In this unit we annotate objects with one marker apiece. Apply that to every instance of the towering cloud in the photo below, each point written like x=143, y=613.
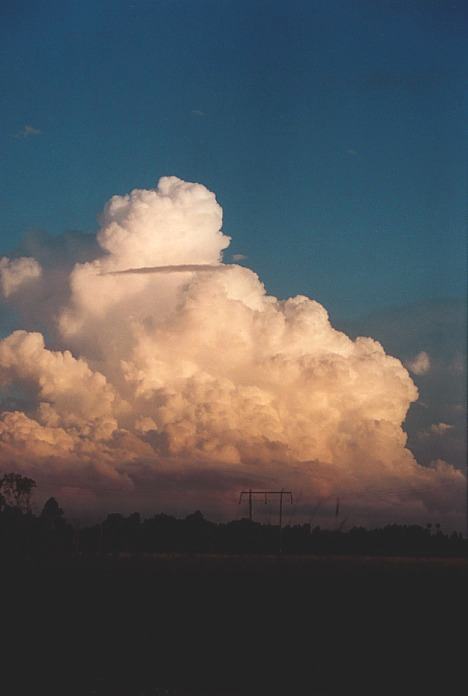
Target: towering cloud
x=180, y=385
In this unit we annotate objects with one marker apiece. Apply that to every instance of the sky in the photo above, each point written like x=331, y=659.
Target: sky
x=348, y=118
x=332, y=134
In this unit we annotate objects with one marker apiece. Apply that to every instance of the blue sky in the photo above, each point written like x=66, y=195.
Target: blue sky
x=333, y=132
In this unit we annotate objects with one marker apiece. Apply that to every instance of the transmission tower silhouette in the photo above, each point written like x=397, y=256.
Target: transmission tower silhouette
x=250, y=494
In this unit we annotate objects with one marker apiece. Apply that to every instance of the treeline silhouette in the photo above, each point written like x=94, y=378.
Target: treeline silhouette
x=24, y=534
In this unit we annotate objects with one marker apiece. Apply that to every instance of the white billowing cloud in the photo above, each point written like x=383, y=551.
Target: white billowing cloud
x=67, y=391
x=174, y=224
x=15, y=272
x=439, y=326
x=166, y=381
x=420, y=364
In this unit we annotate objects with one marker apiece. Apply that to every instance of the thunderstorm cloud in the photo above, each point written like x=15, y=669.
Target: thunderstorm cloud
x=147, y=374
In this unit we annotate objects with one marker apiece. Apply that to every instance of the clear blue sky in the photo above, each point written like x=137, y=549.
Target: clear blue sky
x=333, y=132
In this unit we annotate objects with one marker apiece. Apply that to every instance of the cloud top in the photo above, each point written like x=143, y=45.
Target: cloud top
x=175, y=223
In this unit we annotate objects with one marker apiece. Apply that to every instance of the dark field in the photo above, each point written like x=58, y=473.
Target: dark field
x=182, y=625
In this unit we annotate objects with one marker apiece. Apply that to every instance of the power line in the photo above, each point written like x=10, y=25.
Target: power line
x=250, y=494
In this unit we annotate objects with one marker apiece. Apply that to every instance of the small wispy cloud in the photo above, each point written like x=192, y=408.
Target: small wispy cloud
x=351, y=152
x=197, y=112
x=420, y=364
x=441, y=428
x=239, y=257
x=437, y=429
x=27, y=131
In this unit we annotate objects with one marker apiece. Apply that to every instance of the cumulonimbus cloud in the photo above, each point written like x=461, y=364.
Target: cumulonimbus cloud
x=168, y=367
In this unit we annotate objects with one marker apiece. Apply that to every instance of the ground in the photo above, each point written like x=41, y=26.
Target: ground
x=191, y=625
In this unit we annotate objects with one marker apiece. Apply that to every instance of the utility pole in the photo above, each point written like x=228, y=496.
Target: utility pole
x=250, y=494
x=101, y=539
x=76, y=537
x=282, y=494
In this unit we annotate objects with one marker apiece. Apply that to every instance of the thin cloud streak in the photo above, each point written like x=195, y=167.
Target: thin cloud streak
x=174, y=268
x=27, y=131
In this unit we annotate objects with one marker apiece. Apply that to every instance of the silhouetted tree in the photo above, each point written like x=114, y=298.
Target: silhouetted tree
x=55, y=533
x=16, y=491
x=51, y=511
